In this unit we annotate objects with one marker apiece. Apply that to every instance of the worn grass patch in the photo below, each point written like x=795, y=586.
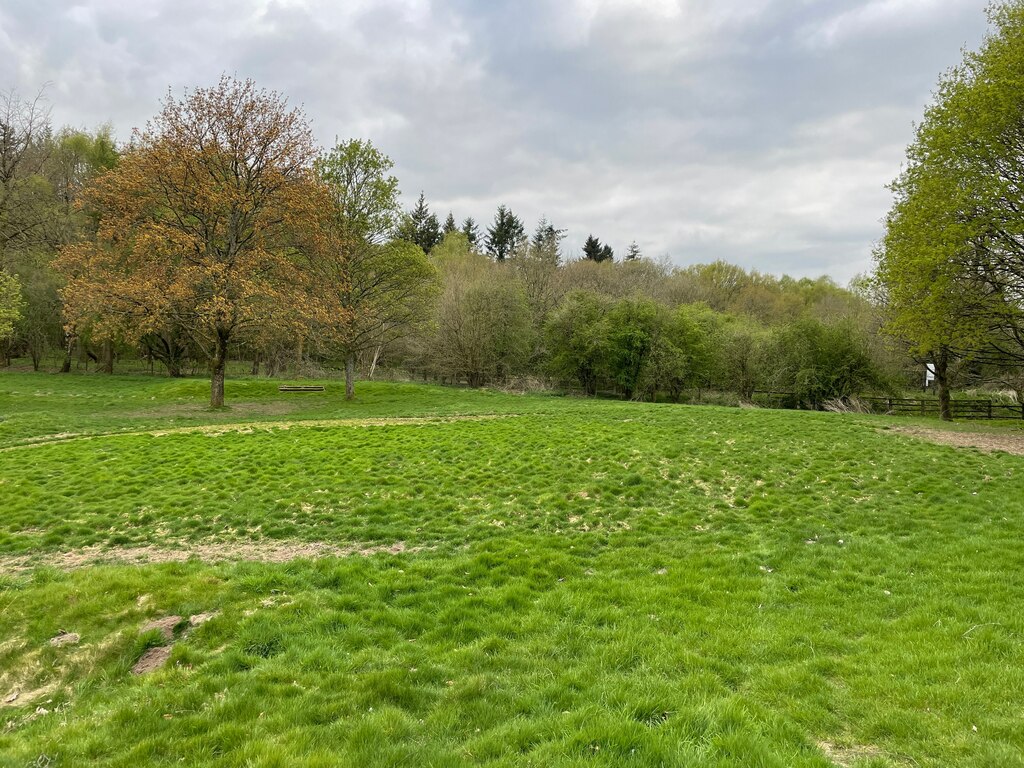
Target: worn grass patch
x=587, y=583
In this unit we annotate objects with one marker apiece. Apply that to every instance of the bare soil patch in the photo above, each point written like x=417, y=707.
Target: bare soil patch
x=65, y=638
x=164, y=626
x=225, y=551
x=152, y=660
x=1010, y=442
x=848, y=756
x=250, y=427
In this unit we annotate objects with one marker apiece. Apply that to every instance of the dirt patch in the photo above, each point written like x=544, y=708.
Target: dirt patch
x=196, y=409
x=164, y=626
x=1010, y=442
x=250, y=427
x=848, y=756
x=65, y=638
x=263, y=552
x=20, y=697
x=201, y=618
x=152, y=660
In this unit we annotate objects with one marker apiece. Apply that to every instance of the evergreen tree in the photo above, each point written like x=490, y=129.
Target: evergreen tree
x=470, y=230
x=545, y=243
x=634, y=252
x=420, y=226
x=595, y=251
x=449, y=226
x=505, y=236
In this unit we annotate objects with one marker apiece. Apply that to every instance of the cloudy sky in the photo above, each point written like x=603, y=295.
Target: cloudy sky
x=761, y=132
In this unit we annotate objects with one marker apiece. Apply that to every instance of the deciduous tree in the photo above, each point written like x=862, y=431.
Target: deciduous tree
x=951, y=265
x=211, y=223
x=386, y=287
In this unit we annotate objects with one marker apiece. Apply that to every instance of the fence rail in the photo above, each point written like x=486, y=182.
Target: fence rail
x=910, y=406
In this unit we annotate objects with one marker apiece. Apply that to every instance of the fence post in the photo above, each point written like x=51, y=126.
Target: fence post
x=990, y=410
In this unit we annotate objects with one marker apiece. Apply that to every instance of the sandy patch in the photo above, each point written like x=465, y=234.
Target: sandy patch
x=848, y=756
x=250, y=427
x=1010, y=442
x=263, y=552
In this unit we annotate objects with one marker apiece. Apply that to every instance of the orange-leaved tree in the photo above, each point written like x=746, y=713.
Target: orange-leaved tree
x=213, y=224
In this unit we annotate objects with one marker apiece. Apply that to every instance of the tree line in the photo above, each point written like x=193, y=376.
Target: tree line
x=221, y=230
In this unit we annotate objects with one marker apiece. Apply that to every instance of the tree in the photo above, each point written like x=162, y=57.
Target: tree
x=363, y=192
x=449, y=226
x=576, y=337
x=470, y=230
x=546, y=242
x=680, y=357
x=481, y=328
x=11, y=304
x=951, y=264
x=633, y=328
x=420, y=226
x=595, y=251
x=211, y=223
x=505, y=236
x=537, y=266
x=385, y=288
x=819, y=362
x=634, y=252
x=25, y=195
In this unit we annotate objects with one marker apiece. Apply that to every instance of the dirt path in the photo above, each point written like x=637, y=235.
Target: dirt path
x=263, y=552
x=1010, y=442
x=250, y=427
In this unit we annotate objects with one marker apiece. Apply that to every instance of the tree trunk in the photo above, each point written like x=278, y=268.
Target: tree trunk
x=220, y=359
x=107, y=365
x=376, y=357
x=68, y=349
x=350, y=376
x=941, y=363
x=256, y=365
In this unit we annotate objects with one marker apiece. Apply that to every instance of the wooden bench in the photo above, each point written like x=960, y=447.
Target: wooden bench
x=310, y=388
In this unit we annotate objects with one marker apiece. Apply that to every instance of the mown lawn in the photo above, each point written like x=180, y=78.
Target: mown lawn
x=548, y=581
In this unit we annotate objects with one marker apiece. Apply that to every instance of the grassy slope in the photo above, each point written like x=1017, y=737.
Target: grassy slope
x=592, y=583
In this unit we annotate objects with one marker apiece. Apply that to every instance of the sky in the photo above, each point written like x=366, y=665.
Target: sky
x=761, y=132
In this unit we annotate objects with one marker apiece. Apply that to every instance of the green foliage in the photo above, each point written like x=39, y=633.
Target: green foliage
x=471, y=231
x=365, y=194
x=387, y=287
x=576, y=339
x=483, y=327
x=595, y=251
x=11, y=303
x=505, y=236
x=818, y=362
x=950, y=265
x=420, y=226
x=633, y=330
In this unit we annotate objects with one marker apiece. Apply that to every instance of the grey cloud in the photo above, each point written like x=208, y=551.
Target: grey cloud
x=759, y=131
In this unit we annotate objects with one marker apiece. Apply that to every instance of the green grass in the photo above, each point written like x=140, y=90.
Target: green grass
x=585, y=583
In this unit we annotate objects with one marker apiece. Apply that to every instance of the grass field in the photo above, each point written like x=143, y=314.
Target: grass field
x=436, y=577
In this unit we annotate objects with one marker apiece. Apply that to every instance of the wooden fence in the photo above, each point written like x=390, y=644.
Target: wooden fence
x=907, y=406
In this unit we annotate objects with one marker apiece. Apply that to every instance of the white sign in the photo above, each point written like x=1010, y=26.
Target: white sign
x=929, y=374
